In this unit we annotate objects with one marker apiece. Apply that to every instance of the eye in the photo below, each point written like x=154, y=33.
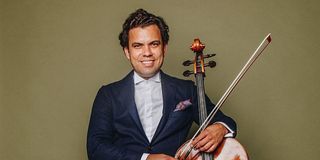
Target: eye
x=136, y=46
x=155, y=44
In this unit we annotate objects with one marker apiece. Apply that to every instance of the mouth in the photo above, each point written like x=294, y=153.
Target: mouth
x=147, y=63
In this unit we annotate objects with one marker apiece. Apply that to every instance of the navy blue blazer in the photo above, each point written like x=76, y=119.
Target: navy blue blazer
x=115, y=131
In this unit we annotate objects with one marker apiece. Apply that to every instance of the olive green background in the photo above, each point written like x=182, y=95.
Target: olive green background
x=55, y=54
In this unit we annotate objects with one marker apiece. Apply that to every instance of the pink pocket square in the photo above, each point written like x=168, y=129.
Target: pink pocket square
x=183, y=105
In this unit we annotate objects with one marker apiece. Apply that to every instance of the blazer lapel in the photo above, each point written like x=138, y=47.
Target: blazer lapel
x=129, y=102
x=168, y=95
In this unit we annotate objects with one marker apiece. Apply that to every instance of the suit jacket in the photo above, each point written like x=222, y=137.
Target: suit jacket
x=115, y=131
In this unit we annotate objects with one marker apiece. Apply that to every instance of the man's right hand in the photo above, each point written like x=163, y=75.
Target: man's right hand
x=159, y=157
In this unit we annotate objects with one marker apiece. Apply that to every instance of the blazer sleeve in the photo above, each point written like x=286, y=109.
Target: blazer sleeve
x=101, y=132
x=218, y=117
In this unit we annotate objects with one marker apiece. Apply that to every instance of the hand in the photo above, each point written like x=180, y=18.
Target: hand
x=210, y=138
x=159, y=157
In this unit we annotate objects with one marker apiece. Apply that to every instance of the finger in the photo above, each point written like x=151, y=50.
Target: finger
x=211, y=149
x=203, y=142
x=202, y=135
x=198, y=138
x=206, y=146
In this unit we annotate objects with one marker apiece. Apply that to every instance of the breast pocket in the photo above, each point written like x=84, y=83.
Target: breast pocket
x=181, y=113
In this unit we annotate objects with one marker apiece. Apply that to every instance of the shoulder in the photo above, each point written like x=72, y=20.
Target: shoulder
x=124, y=83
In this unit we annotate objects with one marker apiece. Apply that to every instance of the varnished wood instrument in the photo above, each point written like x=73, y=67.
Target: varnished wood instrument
x=230, y=148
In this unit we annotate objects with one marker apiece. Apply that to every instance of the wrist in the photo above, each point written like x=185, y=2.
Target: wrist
x=221, y=127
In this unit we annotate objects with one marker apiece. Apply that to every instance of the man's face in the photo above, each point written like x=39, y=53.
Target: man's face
x=145, y=50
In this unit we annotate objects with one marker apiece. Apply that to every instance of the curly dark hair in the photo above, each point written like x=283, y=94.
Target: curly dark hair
x=141, y=18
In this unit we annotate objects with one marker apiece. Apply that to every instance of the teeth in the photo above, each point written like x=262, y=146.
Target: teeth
x=147, y=62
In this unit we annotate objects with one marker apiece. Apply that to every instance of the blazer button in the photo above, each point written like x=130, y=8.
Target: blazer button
x=149, y=148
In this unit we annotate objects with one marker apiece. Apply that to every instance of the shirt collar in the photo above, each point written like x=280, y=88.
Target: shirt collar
x=138, y=79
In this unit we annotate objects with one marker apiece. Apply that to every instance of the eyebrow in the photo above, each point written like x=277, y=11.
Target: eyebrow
x=157, y=41
x=138, y=43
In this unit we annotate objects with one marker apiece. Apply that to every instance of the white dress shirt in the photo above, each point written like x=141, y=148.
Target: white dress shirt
x=149, y=102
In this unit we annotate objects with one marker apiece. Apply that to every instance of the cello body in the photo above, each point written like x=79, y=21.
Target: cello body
x=229, y=149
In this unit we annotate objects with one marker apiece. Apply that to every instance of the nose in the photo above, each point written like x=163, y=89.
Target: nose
x=147, y=51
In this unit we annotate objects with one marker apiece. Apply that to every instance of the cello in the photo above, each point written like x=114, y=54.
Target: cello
x=229, y=148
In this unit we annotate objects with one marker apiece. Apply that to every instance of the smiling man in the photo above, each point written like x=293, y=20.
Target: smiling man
x=145, y=50
x=147, y=114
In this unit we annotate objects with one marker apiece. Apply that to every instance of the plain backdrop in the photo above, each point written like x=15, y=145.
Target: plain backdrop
x=55, y=55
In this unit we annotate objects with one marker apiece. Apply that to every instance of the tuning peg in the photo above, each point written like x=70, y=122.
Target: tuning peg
x=208, y=55
x=187, y=63
x=187, y=73
x=210, y=64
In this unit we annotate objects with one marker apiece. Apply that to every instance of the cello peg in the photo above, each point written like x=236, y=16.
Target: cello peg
x=187, y=63
x=187, y=73
x=208, y=55
x=210, y=64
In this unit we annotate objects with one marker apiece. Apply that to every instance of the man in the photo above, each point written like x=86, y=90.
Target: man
x=147, y=114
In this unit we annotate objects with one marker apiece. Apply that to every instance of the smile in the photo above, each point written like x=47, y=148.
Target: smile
x=147, y=62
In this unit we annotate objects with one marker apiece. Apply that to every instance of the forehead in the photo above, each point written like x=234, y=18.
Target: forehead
x=144, y=34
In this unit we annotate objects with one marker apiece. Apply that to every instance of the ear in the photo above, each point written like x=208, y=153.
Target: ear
x=126, y=52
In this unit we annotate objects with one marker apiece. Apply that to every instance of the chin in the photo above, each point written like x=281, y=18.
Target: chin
x=148, y=74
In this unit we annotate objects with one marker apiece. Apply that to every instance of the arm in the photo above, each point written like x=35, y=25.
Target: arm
x=101, y=132
x=221, y=118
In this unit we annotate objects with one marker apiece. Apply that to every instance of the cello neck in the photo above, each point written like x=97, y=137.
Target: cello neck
x=201, y=97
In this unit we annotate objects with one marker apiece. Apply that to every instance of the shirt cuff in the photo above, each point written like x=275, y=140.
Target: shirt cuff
x=230, y=133
x=144, y=156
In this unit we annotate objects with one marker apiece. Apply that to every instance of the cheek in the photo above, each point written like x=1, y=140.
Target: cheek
x=158, y=53
x=161, y=56
x=134, y=56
